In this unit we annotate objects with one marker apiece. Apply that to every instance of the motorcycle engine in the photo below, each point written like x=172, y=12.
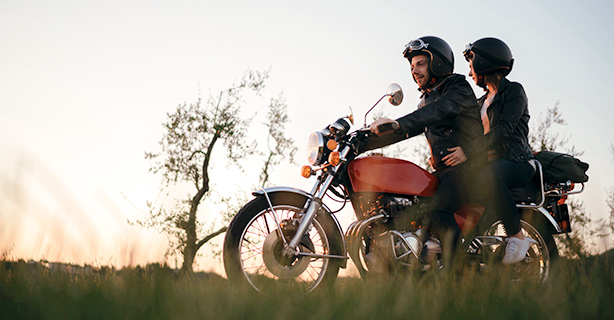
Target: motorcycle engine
x=409, y=250
x=399, y=240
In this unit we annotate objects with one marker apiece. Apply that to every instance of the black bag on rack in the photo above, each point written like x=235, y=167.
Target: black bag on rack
x=561, y=167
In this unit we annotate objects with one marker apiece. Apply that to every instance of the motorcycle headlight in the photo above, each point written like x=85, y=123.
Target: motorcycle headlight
x=316, y=148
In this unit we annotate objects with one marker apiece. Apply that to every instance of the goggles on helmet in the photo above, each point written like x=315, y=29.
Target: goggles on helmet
x=417, y=44
x=414, y=45
x=468, y=53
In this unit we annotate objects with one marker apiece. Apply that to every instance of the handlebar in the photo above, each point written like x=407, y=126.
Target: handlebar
x=390, y=126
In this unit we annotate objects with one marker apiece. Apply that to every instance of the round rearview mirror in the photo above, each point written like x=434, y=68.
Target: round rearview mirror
x=395, y=94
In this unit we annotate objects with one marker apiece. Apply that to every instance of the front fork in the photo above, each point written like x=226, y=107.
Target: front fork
x=313, y=206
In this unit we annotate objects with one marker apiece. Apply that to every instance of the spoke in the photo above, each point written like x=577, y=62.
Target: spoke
x=255, y=235
x=257, y=267
x=257, y=225
x=309, y=270
x=250, y=257
x=267, y=224
x=251, y=248
x=251, y=243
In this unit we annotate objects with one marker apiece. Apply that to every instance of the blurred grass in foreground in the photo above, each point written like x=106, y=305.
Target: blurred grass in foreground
x=576, y=289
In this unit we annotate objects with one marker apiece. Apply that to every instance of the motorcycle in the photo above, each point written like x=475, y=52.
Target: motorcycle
x=289, y=237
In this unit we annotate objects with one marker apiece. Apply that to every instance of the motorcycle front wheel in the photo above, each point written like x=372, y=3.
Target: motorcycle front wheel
x=253, y=247
x=536, y=264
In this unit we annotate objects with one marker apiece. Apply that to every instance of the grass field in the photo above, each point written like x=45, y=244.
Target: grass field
x=576, y=290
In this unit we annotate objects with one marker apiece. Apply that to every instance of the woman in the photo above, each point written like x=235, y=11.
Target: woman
x=505, y=117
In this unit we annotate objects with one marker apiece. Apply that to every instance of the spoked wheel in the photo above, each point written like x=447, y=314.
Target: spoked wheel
x=536, y=264
x=253, y=248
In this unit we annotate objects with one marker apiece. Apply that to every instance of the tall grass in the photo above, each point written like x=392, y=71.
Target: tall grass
x=576, y=289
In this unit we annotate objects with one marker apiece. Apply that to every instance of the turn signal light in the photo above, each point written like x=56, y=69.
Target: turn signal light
x=334, y=158
x=562, y=200
x=331, y=145
x=306, y=171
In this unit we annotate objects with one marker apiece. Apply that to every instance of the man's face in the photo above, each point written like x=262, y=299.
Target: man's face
x=419, y=70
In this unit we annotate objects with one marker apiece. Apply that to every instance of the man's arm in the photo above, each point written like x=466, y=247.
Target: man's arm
x=448, y=105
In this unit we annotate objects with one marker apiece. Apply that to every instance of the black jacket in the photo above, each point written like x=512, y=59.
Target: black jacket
x=509, y=124
x=448, y=115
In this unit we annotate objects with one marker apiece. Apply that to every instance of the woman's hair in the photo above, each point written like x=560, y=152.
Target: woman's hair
x=493, y=78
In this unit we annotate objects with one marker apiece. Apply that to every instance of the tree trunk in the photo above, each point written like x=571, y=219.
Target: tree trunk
x=191, y=247
x=188, y=259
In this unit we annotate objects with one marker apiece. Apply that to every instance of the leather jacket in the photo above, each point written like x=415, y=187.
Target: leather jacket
x=509, y=124
x=449, y=116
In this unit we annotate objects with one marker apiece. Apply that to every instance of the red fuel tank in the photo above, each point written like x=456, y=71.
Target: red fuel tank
x=390, y=175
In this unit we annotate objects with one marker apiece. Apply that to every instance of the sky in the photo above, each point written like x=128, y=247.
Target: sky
x=86, y=85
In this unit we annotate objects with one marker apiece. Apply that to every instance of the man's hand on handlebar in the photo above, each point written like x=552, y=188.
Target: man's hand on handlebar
x=383, y=126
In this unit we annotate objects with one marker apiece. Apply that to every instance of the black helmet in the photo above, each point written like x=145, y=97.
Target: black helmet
x=439, y=52
x=489, y=54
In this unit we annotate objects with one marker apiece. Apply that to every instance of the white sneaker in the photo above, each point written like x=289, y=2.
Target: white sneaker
x=516, y=249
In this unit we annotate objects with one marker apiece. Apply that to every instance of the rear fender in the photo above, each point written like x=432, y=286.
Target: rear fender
x=543, y=212
x=334, y=230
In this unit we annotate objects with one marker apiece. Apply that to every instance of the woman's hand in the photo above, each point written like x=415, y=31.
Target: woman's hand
x=455, y=158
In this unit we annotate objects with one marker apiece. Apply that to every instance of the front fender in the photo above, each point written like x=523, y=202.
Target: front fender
x=334, y=230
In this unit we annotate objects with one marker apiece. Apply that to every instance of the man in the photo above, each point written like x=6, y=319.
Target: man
x=449, y=116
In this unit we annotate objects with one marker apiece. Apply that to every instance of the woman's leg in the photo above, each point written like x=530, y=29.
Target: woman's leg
x=495, y=181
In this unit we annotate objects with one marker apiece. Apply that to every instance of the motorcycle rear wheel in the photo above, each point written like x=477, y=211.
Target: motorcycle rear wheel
x=252, y=248
x=538, y=261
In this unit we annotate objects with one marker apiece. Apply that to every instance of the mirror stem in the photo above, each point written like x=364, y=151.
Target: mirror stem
x=378, y=101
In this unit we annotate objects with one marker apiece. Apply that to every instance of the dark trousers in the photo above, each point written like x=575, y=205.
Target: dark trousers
x=494, y=182
x=451, y=194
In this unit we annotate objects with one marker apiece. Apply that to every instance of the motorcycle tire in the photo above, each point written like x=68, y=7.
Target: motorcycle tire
x=252, y=247
x=537, y=264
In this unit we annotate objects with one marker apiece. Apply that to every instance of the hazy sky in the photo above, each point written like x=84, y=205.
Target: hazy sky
x=86, y=85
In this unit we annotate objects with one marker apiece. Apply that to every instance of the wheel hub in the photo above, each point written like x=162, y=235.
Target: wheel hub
x=279, y=264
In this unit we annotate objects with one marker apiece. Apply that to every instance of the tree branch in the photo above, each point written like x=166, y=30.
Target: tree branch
x=210, y=236
x=194, y=153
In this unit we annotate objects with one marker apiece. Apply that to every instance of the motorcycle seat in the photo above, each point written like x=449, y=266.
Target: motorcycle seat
x=532, y=192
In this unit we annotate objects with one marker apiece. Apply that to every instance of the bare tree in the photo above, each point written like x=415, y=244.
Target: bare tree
x=187, y=146
x=542, y=136
x=610, y=202
x=586, y=229
x=610, y=199
x=279, y=145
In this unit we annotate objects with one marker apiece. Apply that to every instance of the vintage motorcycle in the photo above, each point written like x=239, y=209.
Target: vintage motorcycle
x=289, y=237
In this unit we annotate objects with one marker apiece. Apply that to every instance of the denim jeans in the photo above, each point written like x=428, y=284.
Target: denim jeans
x=452, y=193
x=494, y=182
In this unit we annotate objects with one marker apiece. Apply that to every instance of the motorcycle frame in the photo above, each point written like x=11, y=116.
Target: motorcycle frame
x=324, y=180
x=540, y=207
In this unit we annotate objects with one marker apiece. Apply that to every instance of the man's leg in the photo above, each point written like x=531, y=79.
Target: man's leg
x=446, y=201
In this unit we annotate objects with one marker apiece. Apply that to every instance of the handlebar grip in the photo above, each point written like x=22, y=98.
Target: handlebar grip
x=384, y=127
